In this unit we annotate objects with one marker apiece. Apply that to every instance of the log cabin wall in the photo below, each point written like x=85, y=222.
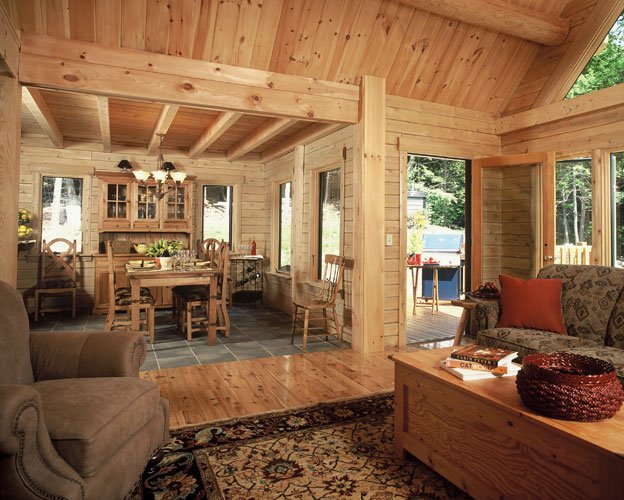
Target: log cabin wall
x=81, y=159
x=420, y=127
x=320, y=154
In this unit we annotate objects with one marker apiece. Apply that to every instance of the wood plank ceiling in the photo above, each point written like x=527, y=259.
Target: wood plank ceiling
x=420, y=54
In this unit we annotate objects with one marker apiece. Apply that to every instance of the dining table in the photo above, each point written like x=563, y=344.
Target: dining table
x=185, y=275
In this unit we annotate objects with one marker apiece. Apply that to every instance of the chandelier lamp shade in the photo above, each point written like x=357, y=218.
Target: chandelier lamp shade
x=163, y=175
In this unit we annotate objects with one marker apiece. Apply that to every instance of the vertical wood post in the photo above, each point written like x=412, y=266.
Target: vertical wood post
x=10, y=129
x=601, y=208
x=369, y=208
x=297, y=272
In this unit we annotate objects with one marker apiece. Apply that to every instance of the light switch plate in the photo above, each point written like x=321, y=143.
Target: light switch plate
x=388, y=239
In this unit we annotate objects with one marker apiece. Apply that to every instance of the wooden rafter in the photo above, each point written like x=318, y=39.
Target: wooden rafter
x=218, y=126
x=165, y=119
x=35, y=103
x=103, y=116
x=258, y=137
x=502, y=17
x=9, y=44
x=94, y=69
x=304, y=136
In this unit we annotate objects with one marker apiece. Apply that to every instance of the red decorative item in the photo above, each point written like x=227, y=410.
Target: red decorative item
x=253, y=247
x=488, y=290
x=418, y=259
x=569, y=386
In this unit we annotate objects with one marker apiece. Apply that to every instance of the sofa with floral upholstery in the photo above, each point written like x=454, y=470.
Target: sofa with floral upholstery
x=592, y=302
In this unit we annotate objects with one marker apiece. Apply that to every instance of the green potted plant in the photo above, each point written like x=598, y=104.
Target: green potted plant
x=164, y=250
x=416, y=224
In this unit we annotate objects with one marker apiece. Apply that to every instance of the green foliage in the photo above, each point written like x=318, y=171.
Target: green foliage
x=573, y=201
x=605, y=68
x=157, y=249
x=619, y=208
x=416, y=224
x=443, y=181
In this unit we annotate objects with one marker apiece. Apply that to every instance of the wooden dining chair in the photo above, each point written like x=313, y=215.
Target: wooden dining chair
x=194, y=302
x=57, y=275
x=209, y=249
x=320, y=305
x=120, y=301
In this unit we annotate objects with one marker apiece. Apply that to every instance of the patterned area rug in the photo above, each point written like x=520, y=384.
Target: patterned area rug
x=330, y=451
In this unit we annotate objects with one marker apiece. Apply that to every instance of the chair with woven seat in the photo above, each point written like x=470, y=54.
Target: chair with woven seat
x=194, y=302
x=120, y=300
x=320, y=305
x=57, y=275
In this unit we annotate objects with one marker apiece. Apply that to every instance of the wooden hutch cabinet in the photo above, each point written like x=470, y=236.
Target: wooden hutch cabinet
x=127, y=205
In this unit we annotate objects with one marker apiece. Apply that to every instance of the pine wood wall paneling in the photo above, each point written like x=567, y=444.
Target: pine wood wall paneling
x=57, y=23
x=157, y=16
x=9, y=44
x=133, y=24
x=10, y=97
x=108, y=22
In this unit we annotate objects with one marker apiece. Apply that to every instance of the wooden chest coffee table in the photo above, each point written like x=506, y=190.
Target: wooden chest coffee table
x=480, y=436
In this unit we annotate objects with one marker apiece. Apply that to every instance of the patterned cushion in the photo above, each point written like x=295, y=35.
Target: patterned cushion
x=485, y=315
x=615, y=330
x=127, y=301
x=126, y=292
x=611, y=354
x=530, y=341
x=49, y=284
x=588, y=297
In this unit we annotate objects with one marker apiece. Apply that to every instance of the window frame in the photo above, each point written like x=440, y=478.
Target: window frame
x=276, y=229
x=236, y=183
x=612, y=203
x=84, y=173
x=315, y=266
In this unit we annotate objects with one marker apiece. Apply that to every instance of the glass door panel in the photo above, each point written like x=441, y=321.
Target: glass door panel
x=617, y=209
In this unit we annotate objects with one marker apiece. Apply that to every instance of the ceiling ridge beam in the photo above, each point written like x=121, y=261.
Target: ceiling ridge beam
x=212, y=132
x=263, y=133
x=305, y=136
x=104, y=118
x=88, y=68
x=167, y=114
x=36, y=104
x=500, y=16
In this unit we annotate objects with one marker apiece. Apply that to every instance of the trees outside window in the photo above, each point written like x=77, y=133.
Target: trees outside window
x=285, y=226
x=329, y=216
x=61, y=209
x=573, y=201
x=606, y=67
x=617, y=210
x=217, y=212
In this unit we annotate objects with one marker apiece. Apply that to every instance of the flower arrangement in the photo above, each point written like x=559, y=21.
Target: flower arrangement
x=165, y=248
x=416, y=224
x=24, y=217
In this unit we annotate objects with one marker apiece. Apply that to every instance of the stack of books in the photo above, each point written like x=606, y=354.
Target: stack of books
x=477, y=362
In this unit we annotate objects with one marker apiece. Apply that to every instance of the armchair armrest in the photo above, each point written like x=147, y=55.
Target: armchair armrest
x=86, y=354
x=28, y=460
x=485, y=314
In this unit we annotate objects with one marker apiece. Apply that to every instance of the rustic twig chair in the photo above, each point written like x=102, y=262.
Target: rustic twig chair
x=324, y=301
x=120, y=300
x=194, y=302
x=57, y=275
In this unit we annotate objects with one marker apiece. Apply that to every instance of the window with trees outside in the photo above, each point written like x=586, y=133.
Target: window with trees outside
x=285, y=226
x=617, y=210
x=61, y=209
x=574, y=202
x=606, y=67
x=217, y=212
x=329, y=216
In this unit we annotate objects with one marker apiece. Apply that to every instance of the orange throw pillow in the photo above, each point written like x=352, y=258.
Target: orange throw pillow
x=532, y=304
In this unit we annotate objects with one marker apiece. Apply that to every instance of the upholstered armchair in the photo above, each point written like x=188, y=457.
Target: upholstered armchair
x=76, y=421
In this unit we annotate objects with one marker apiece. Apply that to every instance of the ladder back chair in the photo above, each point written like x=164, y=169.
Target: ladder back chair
x=120, y=301
x=194, y=304
x=57, y=275
x=320, y=305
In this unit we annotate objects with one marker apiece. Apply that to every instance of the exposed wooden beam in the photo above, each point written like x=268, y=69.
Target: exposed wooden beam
x=35, y=103
x=9, y=44
x=502, y=17
x=304, y=136
x=258, y=137
x=165, y=119
x=218, y=126
x=601, y=99
x=102, y=104
x=94, y=69
x=580, y=51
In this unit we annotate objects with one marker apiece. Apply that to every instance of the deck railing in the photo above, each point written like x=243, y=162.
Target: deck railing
x=573, y=254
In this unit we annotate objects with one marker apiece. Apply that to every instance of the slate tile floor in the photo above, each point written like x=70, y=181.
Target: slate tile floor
x=256, y=332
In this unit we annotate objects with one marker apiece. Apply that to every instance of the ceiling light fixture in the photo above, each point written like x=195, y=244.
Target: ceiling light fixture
x=162, y=175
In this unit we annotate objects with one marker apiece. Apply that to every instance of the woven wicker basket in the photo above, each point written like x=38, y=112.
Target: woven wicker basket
x=121, y=246
x=569, y=386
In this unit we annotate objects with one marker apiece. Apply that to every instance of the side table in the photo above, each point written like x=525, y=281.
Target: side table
x=468, y=306
x=435, y=298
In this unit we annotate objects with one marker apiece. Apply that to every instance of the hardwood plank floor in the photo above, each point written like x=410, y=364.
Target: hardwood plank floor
x=205, y=393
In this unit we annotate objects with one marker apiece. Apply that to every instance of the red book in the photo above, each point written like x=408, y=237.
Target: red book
x=488, y=356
